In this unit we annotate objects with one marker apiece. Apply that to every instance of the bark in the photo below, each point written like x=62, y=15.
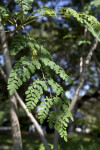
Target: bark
x=75, y=103
x=97, y=64
x=56, y=137
x=16, y=134
x=81, y=64
x=83, y=75
x=71, y=124
x=82, y=51
x=29, y=115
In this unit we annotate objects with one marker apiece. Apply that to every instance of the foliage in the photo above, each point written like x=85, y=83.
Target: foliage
x=95, y=3
x=88, y=21
x=27, y=66
x=4, y=14
x=47, y=11
x=84, y=42
x=54, y=107
x=25, y=5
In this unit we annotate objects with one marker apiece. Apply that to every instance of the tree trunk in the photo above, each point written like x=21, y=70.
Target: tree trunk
x=16, y=134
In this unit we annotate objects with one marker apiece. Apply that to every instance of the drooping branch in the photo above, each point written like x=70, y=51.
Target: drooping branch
x=29, y=115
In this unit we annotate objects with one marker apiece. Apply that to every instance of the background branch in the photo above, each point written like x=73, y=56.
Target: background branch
x=83, y=75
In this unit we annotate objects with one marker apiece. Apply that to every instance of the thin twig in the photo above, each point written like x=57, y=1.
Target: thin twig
x=4, y=76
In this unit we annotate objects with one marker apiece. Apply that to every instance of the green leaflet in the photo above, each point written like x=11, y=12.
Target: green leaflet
x=56, y=87
x=47, y=11
x=83, y=42
x=25, y=5
x=90, y=22
x=60, y=121
x=44, y=108
x=4, y=13
x=21, y=72
x=56, y=68
x=19, y=42
x=34, y=92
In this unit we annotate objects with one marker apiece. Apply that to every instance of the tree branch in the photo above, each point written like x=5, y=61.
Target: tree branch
x=16, y=133
x=97, y=64
x=29, y=115
x=3, y=75
x=83, y=75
